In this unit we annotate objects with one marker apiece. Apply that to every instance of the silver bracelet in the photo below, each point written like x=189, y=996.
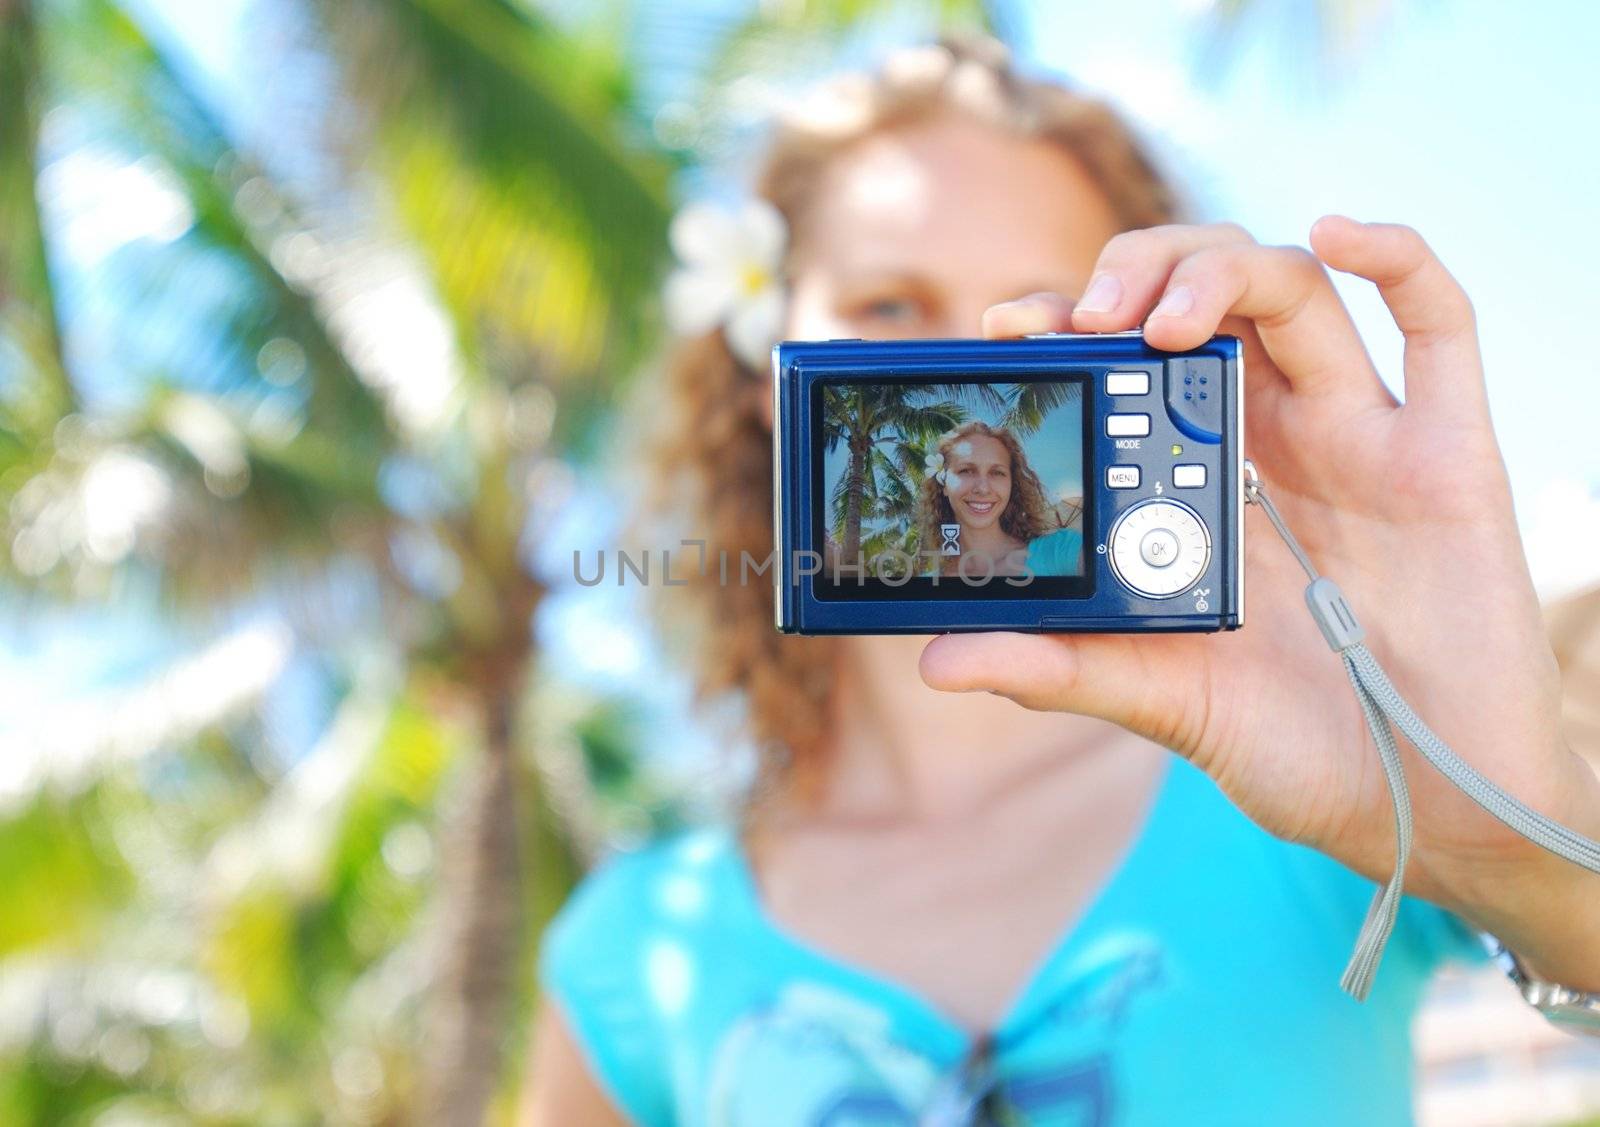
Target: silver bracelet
x=1575, y=1011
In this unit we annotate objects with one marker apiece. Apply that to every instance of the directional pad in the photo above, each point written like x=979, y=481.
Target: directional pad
x=1159, y=548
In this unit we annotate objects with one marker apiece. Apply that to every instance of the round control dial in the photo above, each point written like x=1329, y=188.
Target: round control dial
x=1159, y=548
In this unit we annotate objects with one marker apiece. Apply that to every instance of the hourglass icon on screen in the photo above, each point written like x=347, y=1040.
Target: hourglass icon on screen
x=952, y=539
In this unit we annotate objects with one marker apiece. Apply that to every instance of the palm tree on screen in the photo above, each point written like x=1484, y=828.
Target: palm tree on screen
x=864, y=417
x=1028, y=404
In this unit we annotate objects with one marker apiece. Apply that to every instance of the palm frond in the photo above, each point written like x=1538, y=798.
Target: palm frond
x=1028, y=404
x=896, y=492
x=34, y=389
x=985, y=397
x=839, y=507
x=542, y=225
x=252, y=493
x=924, y=422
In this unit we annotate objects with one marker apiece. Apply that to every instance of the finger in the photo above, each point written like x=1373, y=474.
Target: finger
x=1133, y=683
x=1284, y=291
x=1443, y=365
x=1132, y=270
x=1036, y=313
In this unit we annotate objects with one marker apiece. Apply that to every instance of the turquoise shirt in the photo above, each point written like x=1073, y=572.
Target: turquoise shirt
x=1058, y=553
x=1200, y=986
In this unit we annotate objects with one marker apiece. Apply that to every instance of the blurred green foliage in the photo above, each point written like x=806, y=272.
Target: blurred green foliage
x=307, y=417
x=310, y=416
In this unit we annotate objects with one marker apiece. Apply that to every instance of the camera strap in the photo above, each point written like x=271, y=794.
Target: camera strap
x=1385, y=710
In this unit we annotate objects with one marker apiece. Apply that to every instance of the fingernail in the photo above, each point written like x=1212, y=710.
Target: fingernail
x=1178, y=301
x=1102, y=296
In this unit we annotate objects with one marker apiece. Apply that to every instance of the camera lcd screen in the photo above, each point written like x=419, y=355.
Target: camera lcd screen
x=957, y=489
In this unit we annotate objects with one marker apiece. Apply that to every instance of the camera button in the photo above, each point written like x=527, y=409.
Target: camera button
x=1127, y=383
x=1122, y=477
x=1189, y=477
x=1127, y=426
x=1159, y=547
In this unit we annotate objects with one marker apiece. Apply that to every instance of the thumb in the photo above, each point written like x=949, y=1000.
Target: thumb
x=1149, y=685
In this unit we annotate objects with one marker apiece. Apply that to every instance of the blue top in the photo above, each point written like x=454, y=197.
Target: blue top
x=1200, y=986
x=1057, y=553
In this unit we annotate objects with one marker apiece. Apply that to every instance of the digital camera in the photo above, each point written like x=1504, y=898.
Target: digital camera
x=1056, y=483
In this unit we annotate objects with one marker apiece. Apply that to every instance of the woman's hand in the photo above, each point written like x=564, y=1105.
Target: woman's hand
x=1408, y=508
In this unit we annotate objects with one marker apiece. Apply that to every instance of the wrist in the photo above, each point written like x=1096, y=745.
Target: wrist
x=1573, y=1010
x=1553, y=931
x=1542, y=907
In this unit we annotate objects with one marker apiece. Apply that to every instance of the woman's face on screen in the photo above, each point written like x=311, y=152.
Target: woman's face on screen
x=978, y=480
x=916, y=231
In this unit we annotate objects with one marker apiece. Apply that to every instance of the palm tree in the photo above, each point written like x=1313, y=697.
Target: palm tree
x=889, y=434
x=315, y=446
x=248, y=466
x=518, y=141
x=860, y=417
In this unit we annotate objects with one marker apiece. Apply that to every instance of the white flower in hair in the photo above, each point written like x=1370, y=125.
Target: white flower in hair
x=729, y=276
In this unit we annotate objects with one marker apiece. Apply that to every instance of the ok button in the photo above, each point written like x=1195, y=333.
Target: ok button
x=1159, y=547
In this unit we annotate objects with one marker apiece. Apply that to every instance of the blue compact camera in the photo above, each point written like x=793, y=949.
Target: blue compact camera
x=1056, y=483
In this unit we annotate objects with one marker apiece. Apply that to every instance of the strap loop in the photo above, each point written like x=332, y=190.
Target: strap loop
x=1334, y=616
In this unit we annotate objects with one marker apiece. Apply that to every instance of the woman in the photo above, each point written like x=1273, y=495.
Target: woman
x=946, y=905
x=983, y=484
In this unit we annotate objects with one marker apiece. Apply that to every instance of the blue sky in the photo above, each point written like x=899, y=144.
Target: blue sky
x=1474, y=122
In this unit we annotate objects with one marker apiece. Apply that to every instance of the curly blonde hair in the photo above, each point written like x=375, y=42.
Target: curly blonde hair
x=1028, y=514
x=713, y=461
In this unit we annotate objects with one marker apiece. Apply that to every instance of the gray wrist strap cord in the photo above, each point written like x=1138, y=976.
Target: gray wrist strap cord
x=1383, y=706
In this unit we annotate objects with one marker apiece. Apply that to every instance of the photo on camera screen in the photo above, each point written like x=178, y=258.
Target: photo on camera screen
x=969, y=482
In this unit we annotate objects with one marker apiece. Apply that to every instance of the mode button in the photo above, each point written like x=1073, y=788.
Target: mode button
x=1127, y=426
